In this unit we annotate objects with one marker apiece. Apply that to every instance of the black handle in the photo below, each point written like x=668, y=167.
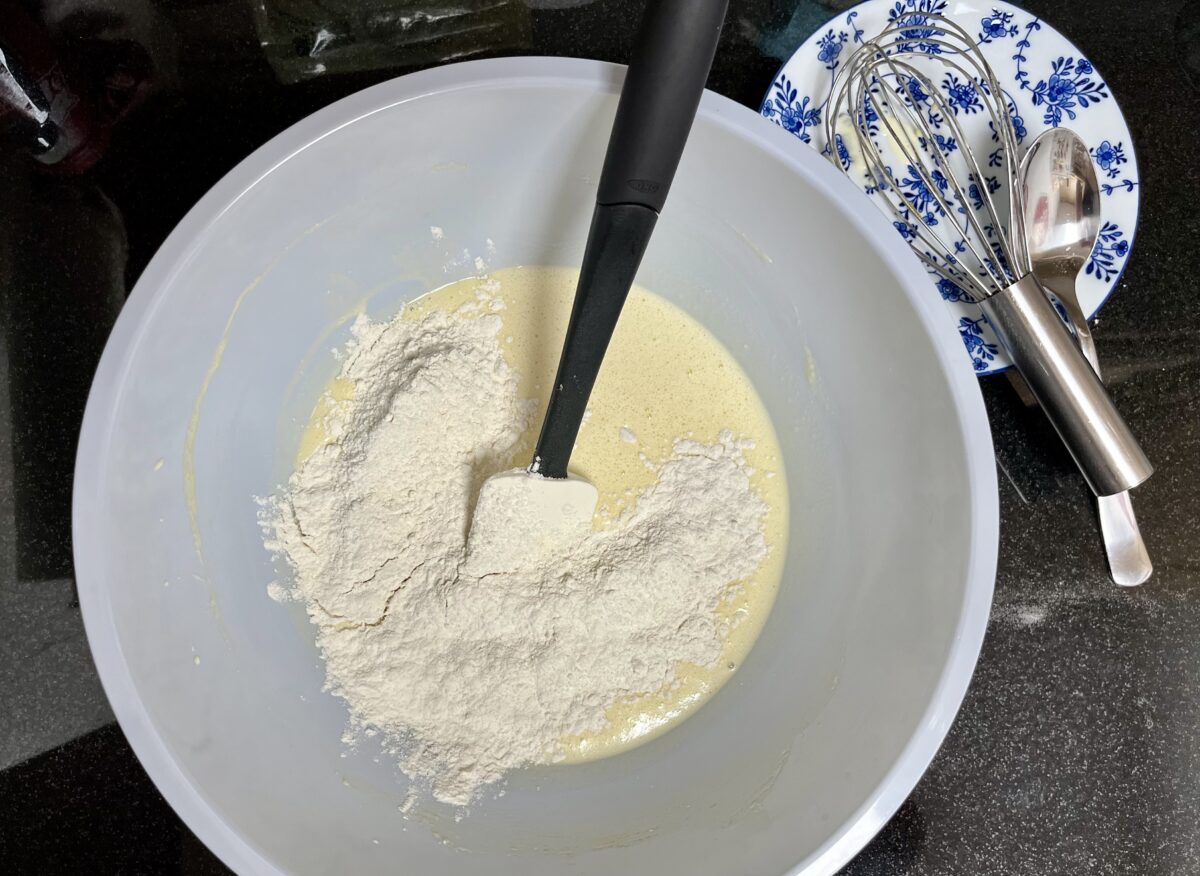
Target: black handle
x=671, y=60
x=616, y=243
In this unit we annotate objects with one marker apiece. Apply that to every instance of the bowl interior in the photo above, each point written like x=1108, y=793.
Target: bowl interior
x=226, y=341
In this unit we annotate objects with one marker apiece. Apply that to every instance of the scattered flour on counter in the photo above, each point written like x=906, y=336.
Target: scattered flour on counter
x=469, y=671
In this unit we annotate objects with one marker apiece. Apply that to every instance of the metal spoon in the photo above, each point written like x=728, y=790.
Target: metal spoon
x=1062, y=221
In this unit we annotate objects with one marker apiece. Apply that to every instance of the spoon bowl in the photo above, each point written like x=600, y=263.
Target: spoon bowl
x=1062, y=214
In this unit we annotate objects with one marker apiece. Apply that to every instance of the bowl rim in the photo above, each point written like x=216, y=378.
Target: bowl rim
x=225, y=839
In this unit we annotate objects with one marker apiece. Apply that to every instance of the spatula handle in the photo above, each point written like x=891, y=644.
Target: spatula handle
x=671, y=60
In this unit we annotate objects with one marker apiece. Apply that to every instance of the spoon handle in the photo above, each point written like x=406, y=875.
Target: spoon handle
x=674, y=51
x=1128, y=560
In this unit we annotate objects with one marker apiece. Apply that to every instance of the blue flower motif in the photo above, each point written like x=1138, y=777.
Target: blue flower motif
x=914, y=89
x=907, y=231
x=993, y=27
x=945, y=144
x=975, y=195
x=1111, y=246
x=917, y=193
x=1014, y=116
x=913, y=16
x=796, y=118
x=971, y=337
x=996, y=26
x=963, y=96
x=1059, y=89
x=981, y=352
x=829, y=47
x=869, y=114
x=1109, y=158
x=1068, y=88
x=951, y=291
x=1019, y=126
x=793, y=114
x=843, y=153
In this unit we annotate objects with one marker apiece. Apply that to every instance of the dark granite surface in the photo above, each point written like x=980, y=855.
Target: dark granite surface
x=1077, y=749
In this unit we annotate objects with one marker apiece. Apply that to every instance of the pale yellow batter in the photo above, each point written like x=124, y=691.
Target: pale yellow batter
x=664, y=377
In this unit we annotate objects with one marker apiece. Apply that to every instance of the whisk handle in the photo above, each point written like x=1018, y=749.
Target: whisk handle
x=1067, y=388
x=674, y=51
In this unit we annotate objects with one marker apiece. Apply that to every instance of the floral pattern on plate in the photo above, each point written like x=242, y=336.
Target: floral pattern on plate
x=1048, y=82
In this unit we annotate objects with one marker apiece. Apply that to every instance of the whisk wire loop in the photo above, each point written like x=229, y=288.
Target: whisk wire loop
x=941, y=198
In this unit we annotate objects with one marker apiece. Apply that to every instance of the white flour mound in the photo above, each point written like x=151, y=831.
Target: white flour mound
x=467, y=671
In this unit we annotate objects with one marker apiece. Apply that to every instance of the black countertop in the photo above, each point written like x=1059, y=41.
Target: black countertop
x=1076, y=750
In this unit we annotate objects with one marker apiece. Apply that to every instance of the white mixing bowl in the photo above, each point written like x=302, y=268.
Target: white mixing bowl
x=222, y=348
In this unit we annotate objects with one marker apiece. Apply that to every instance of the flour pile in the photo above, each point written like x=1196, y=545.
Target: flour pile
x=470, y=671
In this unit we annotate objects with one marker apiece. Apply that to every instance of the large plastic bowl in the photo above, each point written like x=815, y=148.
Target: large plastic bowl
x=224, y=344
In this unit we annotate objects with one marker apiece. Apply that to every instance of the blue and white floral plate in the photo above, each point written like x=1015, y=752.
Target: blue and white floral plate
x=1048, y=82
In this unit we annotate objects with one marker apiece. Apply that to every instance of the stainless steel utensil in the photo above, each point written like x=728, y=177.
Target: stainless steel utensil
x=904, y=129
x=1062, y=222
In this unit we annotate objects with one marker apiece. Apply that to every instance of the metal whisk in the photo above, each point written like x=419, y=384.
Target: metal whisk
x=920, y=165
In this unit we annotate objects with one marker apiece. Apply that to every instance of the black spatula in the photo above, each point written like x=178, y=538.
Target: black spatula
x=671, y=60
